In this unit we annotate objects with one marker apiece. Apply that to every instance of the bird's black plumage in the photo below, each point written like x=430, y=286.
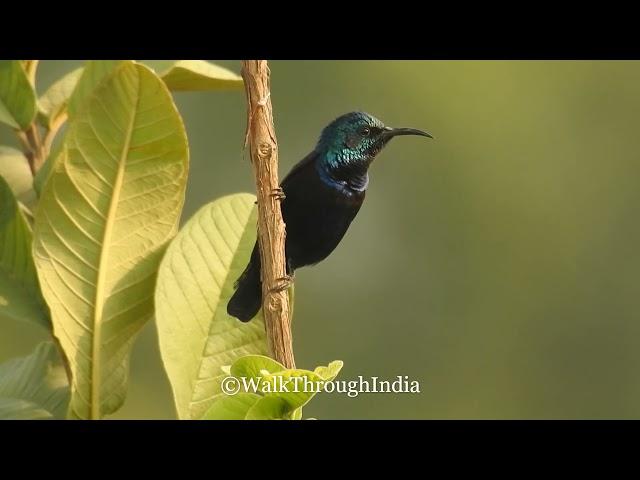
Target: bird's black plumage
x=323, y=194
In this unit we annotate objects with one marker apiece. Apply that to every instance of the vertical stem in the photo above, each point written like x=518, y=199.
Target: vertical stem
x=27, y=149
x=263, y=146
x=30, y=139
x=38, y=153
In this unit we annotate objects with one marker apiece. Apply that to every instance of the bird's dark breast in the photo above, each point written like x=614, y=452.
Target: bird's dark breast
x=317, y=216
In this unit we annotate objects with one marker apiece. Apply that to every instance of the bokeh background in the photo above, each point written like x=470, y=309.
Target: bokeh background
x=497, y=264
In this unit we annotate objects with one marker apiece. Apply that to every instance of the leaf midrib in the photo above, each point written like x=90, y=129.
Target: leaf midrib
x=102, y=270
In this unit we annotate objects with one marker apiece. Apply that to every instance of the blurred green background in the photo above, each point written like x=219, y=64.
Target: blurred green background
x=497, y=264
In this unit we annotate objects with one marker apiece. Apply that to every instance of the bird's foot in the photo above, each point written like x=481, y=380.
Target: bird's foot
x=278, y=193
x=283, y=283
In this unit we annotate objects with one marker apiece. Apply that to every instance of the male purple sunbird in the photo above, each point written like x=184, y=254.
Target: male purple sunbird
x=321, y=195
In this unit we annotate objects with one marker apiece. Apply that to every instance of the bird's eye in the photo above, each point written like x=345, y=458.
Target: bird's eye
x=365, y=131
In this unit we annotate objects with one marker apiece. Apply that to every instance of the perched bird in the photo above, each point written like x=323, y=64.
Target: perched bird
x=321, y=196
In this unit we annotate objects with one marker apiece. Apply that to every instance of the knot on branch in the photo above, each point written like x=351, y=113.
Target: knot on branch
x=263, y=101
x=265, y=149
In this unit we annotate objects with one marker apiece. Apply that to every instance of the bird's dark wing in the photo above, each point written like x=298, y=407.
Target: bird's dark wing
x=299, y=167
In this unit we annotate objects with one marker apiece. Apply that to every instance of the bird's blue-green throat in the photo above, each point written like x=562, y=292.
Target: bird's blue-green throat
x=322, y=195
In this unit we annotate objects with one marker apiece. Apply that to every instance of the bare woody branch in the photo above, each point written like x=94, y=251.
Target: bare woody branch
x=263, y=146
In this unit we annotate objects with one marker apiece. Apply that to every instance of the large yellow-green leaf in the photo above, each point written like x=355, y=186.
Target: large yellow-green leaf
x=14, y=168
x=17, y=98
x=53, y=103
x=34, y=387
x=20, y=297
x=93, y=73
x=111, y=203
x=193, y=75
x=195, y=282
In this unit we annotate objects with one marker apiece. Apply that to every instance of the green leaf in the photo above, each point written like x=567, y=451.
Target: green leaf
x=53, y=104
x=93, y=73
x=298, y=395
x=330, y=371
x=195, y=75
x=110, y=205
x=14, y=168
x=283, y=391
x=231, y=407
x=17, y=97
x=34, y=387
x=269, y=407
x=195, y=282
x=20, y=297
x=253, y=366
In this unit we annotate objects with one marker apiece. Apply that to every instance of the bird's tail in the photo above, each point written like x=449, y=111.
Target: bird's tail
x=247, y=299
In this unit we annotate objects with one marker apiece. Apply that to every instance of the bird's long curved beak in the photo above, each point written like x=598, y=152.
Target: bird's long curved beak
x=394, y=132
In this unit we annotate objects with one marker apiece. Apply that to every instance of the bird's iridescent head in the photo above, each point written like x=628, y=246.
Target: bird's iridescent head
x=355, y=138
